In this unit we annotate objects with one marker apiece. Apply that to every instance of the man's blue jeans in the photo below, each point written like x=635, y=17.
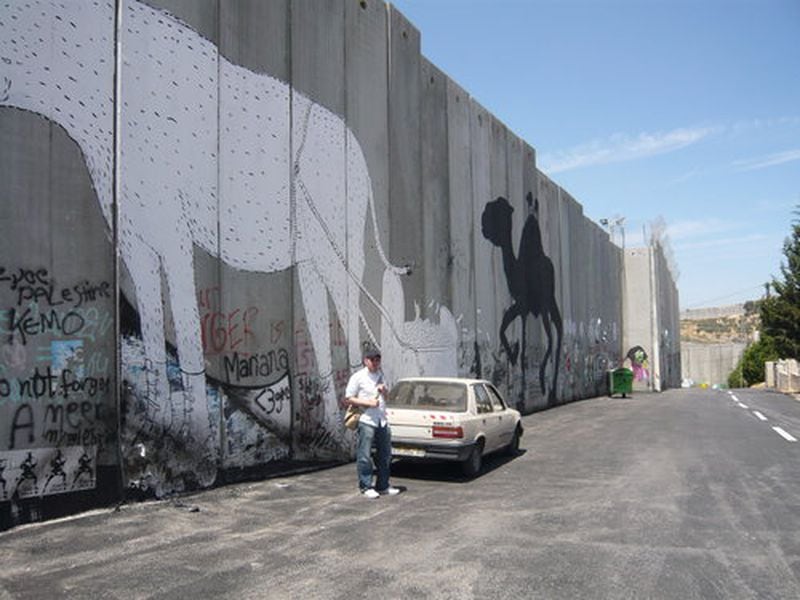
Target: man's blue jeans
x=381, y=437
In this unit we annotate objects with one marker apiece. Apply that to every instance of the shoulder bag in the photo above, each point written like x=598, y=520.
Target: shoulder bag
x=352, y=416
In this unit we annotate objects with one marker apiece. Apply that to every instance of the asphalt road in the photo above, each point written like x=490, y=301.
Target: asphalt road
x=685, y=494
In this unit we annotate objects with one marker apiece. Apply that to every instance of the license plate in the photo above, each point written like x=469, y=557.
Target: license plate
x=403, y=451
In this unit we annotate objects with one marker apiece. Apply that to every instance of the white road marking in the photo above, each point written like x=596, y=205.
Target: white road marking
x=759, y=415
x=735, y=399
x=784, y=435
x=743, y=405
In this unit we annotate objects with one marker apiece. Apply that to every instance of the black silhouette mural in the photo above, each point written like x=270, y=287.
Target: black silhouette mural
x=531, y=282
x=57, y=470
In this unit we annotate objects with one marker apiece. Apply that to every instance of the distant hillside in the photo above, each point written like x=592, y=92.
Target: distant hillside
x=720, y=325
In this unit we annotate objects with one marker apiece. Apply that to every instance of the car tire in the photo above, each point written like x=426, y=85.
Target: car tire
x=472, y=465
x=513, y=446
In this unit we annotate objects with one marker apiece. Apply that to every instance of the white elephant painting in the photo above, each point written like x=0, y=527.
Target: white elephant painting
x=214, y=156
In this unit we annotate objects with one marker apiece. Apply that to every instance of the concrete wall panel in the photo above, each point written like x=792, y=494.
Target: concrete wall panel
x=367, y=116
x=256, y=35
x=485, y=298
x=710, y=364
x=463, y=228
x=321, y=222
x=247, y=317
x=317, y=57
x=520, y=329
x=405, y=176
x=280, y=166
x=550, y=207
x=169, y=218
x=651, y=340
x=494, y=279
x=200, y=15
x=435, y=188
x=58, y=401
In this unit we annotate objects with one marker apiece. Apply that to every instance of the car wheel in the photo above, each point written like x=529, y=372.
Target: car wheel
x=513, y=446
x=472, y=466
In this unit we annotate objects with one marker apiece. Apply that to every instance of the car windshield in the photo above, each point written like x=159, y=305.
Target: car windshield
x=451, y=397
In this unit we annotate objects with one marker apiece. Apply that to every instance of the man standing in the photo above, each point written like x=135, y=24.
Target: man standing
x=367, y=389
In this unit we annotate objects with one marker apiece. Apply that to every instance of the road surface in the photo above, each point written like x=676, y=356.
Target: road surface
x=684, y=494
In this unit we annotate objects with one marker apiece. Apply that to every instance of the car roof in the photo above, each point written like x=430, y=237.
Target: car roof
x=456, y=380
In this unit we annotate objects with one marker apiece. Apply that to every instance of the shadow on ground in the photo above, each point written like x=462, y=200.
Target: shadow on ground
x=444, y=471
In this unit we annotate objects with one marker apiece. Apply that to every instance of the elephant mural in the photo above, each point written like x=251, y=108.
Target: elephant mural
x=212, y=156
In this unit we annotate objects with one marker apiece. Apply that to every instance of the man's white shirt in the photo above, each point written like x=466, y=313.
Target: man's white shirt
x=363, y=384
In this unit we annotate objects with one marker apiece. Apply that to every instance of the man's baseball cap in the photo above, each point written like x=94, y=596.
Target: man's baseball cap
x=372, y=353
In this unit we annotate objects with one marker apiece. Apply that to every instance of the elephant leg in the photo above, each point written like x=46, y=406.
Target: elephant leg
x=315, y=303
x=179, y=269
x=347, y=298
x=144, y=267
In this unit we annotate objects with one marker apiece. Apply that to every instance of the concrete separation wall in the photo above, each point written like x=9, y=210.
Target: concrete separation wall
x=201, y=232
x=710, y=364
x=652, y=327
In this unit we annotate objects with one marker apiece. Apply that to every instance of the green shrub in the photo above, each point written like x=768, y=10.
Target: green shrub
x=750, y=369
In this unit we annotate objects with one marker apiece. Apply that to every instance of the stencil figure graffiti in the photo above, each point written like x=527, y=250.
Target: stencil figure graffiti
x=531, y=283
x=28, y=474
x=56, y=470
x=85, y=469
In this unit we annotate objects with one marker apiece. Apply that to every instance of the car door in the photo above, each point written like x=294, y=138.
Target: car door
x=506, y=421
x=487, y=417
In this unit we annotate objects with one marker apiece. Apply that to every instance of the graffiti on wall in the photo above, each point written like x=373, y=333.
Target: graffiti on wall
x=47, y=471
x=639, y=363
x=54, y=378
x=531, y=282
x=236, y=164
x=55, y=381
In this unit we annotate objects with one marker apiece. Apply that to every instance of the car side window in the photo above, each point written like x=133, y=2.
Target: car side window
x=497, y=401
x=482, y=401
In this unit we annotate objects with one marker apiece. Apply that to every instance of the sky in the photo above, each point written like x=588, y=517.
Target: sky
x=679, y=112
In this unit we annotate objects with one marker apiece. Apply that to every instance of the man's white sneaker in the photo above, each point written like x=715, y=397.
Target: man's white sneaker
x=389, y=491
x=370, y=493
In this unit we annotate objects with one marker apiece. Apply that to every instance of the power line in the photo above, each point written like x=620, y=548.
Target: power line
x=717, y=299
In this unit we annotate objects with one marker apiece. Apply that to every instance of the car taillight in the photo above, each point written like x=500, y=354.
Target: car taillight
x=443, y=431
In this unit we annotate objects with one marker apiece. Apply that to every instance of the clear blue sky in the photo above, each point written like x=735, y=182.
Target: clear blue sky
x=684, y=110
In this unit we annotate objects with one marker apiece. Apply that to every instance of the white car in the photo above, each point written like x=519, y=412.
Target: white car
x=455, y=419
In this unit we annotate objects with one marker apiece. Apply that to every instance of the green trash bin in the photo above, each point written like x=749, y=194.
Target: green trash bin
x=620, y=381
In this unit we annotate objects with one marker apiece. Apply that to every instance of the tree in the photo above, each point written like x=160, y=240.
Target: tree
x=780, y=318
x=750, y=369
x=780, y=313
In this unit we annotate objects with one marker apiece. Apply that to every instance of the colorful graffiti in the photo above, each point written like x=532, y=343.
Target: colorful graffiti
x=639, y=363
